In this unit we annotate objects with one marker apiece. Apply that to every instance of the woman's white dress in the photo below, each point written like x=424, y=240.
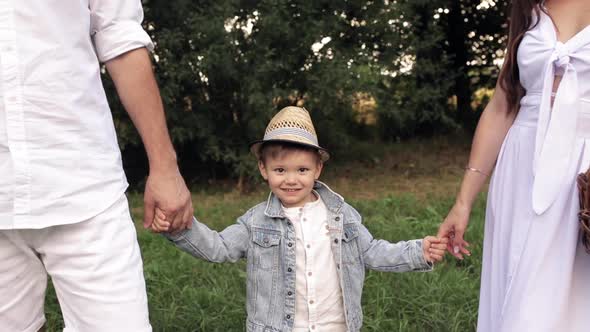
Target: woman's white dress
x=536, y=274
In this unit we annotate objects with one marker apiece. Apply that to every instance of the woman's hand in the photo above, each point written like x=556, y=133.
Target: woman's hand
x=454, y=227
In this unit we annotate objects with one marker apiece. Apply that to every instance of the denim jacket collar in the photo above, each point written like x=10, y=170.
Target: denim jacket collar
x=332, y=200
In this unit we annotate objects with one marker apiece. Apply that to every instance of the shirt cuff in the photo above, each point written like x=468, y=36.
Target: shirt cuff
x=177, y=236
x=120, y=38
x=419, y=263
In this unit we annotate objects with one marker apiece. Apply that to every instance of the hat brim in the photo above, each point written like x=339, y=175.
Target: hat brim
x=256, y=146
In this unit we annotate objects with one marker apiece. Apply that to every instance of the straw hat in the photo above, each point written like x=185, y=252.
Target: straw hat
x=291, y=125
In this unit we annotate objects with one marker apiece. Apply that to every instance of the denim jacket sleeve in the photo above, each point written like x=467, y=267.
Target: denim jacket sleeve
x=200, y=241
x=381, y=255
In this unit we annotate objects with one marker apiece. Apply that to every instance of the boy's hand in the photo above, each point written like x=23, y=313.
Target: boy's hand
x=434, y=248
x=159, y=224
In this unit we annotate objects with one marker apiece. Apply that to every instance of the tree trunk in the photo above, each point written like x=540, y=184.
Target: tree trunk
x=458, y=48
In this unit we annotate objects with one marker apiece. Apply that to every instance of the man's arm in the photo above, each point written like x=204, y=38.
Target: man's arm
x=165, y=188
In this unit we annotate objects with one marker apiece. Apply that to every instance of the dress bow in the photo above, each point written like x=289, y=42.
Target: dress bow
x=556, y=129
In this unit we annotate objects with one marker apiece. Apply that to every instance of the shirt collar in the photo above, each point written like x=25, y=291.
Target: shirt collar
x=307, y=206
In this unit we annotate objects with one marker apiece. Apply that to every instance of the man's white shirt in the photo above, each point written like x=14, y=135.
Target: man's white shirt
x=60, y=162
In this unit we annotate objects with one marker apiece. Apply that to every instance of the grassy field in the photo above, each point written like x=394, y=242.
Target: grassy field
x=403, y=191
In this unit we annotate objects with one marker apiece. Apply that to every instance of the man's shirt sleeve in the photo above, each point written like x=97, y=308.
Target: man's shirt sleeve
x=115, y=27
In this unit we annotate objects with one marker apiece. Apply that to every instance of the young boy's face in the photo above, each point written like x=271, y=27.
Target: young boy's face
x=291, y=176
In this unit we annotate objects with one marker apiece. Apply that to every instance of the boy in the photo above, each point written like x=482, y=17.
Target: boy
x=306, y=248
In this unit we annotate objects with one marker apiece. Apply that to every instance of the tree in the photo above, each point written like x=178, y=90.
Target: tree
x=476, y=33
x=225, y=67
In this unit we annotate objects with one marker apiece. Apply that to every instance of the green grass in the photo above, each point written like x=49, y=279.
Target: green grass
x=186, y=294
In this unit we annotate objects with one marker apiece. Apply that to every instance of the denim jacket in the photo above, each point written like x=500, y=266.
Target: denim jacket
x=266, y=238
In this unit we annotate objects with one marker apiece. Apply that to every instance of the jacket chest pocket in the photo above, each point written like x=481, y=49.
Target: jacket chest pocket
x=350, y=249
x=266, y=248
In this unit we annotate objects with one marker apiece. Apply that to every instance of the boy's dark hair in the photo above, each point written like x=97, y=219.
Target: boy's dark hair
x=275, y=149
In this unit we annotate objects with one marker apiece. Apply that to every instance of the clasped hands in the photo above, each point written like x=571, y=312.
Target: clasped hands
x=453, y=228
x=168, y=200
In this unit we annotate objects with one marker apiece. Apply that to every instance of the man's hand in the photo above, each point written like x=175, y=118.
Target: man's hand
x=167, y=192
x=434, y=248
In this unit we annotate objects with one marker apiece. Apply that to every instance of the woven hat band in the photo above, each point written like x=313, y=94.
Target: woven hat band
x=274, y=134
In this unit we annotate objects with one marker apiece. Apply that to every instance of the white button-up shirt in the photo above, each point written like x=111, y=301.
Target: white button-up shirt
x=59, y=158
x=318, y=296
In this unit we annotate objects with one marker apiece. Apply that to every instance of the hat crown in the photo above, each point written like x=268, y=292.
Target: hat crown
x=291, y=117
x=292, y=124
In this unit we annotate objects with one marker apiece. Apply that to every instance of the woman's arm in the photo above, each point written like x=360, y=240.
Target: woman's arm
x=491, y=130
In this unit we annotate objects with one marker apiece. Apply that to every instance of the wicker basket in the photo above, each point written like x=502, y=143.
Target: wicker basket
x=583, y=182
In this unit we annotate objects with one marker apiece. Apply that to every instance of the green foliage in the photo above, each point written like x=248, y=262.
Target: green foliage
x=225, y=67
x=417, y=102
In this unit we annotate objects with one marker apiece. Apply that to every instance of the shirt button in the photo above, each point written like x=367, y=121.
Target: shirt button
x=337, y=218
x=327, y=227
x=288, y=316
x=289, y=270
x=308, y=246
x=310, y=301
x=336, y=241
x=265, y=240
x=338, y=266
x=304, y=219
x=290, y=244
x=309, y=274
x=289, y=293
x=313, y=327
